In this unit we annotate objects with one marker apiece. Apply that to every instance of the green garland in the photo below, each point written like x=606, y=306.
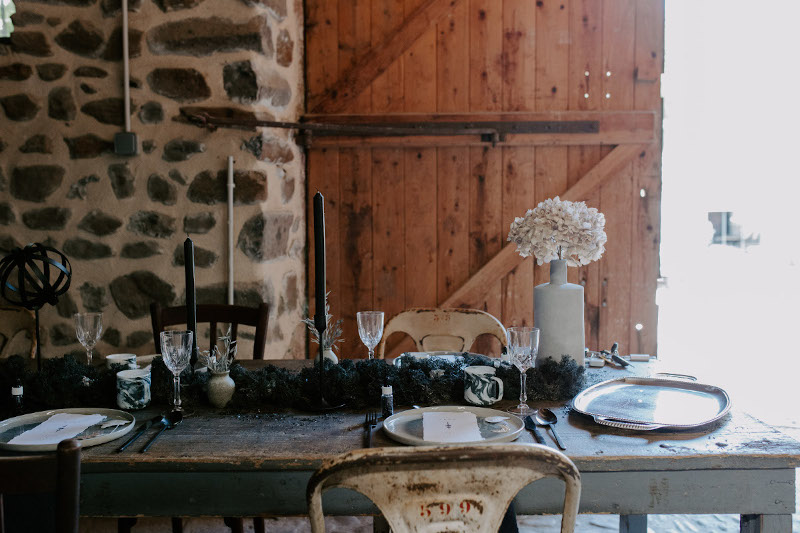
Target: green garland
x=64, y=382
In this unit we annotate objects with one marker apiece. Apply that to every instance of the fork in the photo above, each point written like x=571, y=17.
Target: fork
x=370, y=422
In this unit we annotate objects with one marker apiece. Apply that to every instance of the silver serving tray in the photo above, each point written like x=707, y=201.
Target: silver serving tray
x=646, y=404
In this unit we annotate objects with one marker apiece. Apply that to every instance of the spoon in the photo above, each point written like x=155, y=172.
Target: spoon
x=168, y=421
x=547, y=418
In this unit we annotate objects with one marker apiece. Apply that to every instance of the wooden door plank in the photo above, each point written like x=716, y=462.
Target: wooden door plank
x=519, y=55
x=619, y=21
x=485, y=55
x=369, y=67
x=419, y=67
x=355, y=220
x=388, y=241
x=355, y=40
x=507, y=258
x=486, y=232
x=321, y=37
x=387, y=87
x=421, y=230
x=645, y=270
x=452, y=61
x=518, y=196
x=616, y=203
x=453, y=222
x=552, y=75
x=585, y=93
x=616, y=197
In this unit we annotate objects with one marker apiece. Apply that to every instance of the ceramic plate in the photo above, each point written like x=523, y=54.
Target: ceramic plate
x=92, y=436
x=406, y=427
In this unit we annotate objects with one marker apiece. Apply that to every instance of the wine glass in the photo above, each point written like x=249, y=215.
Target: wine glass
x=370, y=329
x=176, y=349
x=523, y=344
x=88, y=328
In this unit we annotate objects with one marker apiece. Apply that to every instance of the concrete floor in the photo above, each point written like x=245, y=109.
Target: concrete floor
x=527, y=524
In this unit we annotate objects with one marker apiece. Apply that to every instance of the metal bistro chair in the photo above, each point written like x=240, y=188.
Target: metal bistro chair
x=17, y=332
x=214, y=314
x=443, y=329
x=59, y=472
x=257, y=317
x=453, y=488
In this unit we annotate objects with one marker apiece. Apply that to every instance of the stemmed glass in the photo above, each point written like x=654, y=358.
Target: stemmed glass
x=176, y=349
x=523, y=344
x=88, y=328
x=370, y=329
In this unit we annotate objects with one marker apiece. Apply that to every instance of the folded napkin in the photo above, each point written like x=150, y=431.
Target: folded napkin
x=442, y=426
x=57, y=428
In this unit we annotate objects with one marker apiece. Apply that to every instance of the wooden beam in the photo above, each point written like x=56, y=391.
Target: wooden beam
x=352, y=82
x=501, y=264
x=615, y=128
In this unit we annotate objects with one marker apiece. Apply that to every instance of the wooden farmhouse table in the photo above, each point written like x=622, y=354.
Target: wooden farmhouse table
x=258, y=464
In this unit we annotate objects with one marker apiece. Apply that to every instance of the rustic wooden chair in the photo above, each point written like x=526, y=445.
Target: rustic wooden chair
x=450, y=488
x=17, y=332
x=443, y=329
x=36, y=474
x=214, y=314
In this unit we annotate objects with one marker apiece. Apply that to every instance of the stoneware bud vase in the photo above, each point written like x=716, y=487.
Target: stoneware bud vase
x=558, y=313
x=328, y=355
x=220, y=389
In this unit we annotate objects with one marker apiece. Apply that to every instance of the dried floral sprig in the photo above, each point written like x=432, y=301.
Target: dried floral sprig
x=333, y=331
x=215, y=360
x=560, y=229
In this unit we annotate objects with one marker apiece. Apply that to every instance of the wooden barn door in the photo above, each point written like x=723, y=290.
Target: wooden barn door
x=422, y=219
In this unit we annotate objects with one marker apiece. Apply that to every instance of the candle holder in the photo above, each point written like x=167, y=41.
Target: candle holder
x=320, y=403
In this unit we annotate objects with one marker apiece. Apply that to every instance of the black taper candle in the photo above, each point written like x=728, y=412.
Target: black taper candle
x=191, y=303
x=319, y=262
x=319, y=286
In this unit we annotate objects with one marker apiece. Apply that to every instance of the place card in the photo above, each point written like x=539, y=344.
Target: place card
x=442, y=426
x=58, y=427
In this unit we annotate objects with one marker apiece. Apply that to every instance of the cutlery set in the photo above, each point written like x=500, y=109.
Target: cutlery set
x=164, y=422
x=547, y=419
x=370, y=423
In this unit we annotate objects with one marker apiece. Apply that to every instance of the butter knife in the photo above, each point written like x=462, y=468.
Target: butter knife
x=531, y=425
x=144, y=427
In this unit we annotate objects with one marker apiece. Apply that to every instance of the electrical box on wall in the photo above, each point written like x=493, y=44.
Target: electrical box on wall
x=125, y=143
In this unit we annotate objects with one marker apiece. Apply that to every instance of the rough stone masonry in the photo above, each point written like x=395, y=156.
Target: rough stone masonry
x=122, y=220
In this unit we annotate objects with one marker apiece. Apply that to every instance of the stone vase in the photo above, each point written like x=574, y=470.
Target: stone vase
x=220, y=389
x=558, y=313
x=329, y=355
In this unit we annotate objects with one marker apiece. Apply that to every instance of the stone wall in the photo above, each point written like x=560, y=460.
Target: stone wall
x=122, y=220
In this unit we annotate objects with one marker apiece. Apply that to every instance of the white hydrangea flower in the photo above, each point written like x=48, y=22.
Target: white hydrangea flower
x=558, y=229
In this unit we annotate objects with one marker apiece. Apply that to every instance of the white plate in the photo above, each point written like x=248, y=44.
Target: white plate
x=92, y=436
x=406, y=427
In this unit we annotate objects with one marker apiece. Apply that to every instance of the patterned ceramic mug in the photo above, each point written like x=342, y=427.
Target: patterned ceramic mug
x=481, y=386
x=133, y=389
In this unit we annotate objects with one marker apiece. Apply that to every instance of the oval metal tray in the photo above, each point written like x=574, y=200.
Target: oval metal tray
x=646, y=404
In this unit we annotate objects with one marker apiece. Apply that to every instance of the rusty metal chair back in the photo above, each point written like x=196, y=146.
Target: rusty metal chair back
x=17, y=332
x=443, y=329
x=453, y=488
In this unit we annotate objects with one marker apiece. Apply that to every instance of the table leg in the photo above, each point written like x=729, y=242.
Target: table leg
x=380, y=525
x=633, y=523
x=765, y=523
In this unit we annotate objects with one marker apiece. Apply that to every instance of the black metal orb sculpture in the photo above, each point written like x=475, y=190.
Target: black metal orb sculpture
x=33, y=276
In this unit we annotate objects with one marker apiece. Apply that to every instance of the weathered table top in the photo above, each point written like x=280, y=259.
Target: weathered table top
x=212, y=440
